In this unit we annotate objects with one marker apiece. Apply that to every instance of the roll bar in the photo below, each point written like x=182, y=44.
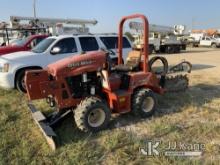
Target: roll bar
x=146, y=42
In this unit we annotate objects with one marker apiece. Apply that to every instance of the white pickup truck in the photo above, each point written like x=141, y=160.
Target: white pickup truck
x=14, y=65
x=209, y=42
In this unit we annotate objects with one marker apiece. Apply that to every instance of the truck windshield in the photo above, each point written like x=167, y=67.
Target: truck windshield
x=43, y=45
x=20, y=42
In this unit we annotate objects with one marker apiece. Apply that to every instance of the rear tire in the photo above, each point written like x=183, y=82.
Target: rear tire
x=214, y=46
x=169, y=49
x=177, y=49
x=92, y=115
x=20, y=81
x=144, y=103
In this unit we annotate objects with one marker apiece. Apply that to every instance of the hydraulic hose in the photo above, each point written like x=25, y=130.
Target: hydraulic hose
x=165, y=65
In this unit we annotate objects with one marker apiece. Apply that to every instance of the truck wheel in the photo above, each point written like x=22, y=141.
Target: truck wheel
x=214, y=46
x=20, y=84
x=92, y=115
x=144, y=103
x=157, y=51
x=151, y=49
x=177, y=49
x=191, y=45
x=169, y=49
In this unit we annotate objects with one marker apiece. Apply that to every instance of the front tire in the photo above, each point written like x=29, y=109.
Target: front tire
x=92, y=115
x=169, y=50
x=144, y=103
x=20, y=84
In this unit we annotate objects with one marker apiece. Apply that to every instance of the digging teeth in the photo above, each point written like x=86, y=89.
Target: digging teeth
x=176, y=83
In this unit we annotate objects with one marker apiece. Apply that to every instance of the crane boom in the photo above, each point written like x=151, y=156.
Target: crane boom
x=177, y=29
x=54, y=20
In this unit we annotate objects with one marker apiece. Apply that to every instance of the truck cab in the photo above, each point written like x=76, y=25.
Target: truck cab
x=24, y=44
x=154, y=39
x=209, y=42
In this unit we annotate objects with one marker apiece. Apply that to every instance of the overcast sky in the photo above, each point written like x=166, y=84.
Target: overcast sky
x=199, y=14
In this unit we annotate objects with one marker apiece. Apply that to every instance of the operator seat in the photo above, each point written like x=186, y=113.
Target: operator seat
x=132, y=62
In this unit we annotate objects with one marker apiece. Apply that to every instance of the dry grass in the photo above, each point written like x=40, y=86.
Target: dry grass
x=192, y=116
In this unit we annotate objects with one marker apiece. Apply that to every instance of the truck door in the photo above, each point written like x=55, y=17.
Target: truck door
x=206, y=41
x=63, y=48
x=154, y=39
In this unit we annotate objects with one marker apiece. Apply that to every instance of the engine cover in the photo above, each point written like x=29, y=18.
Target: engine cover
x=78, y=64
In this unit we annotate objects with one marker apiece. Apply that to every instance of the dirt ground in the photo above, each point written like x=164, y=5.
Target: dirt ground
x=204, y=60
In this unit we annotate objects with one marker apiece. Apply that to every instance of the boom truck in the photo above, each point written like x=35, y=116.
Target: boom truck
x=162, y=39
x=20, y=27
x=56, y=26
x=90, y=88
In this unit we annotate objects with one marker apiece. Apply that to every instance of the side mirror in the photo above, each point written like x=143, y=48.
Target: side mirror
x=29, y=46
x=111, y=52
x=55, y=50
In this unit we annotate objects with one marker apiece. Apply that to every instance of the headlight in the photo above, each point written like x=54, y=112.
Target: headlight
x=4, y=68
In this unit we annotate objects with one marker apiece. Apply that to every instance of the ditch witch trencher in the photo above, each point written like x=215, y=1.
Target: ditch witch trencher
x=90, y=87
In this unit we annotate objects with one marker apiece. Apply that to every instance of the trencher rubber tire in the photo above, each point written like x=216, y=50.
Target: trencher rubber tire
x=85, y=108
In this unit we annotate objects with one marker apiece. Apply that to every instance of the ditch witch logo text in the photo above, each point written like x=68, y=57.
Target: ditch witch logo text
x=172, y=149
